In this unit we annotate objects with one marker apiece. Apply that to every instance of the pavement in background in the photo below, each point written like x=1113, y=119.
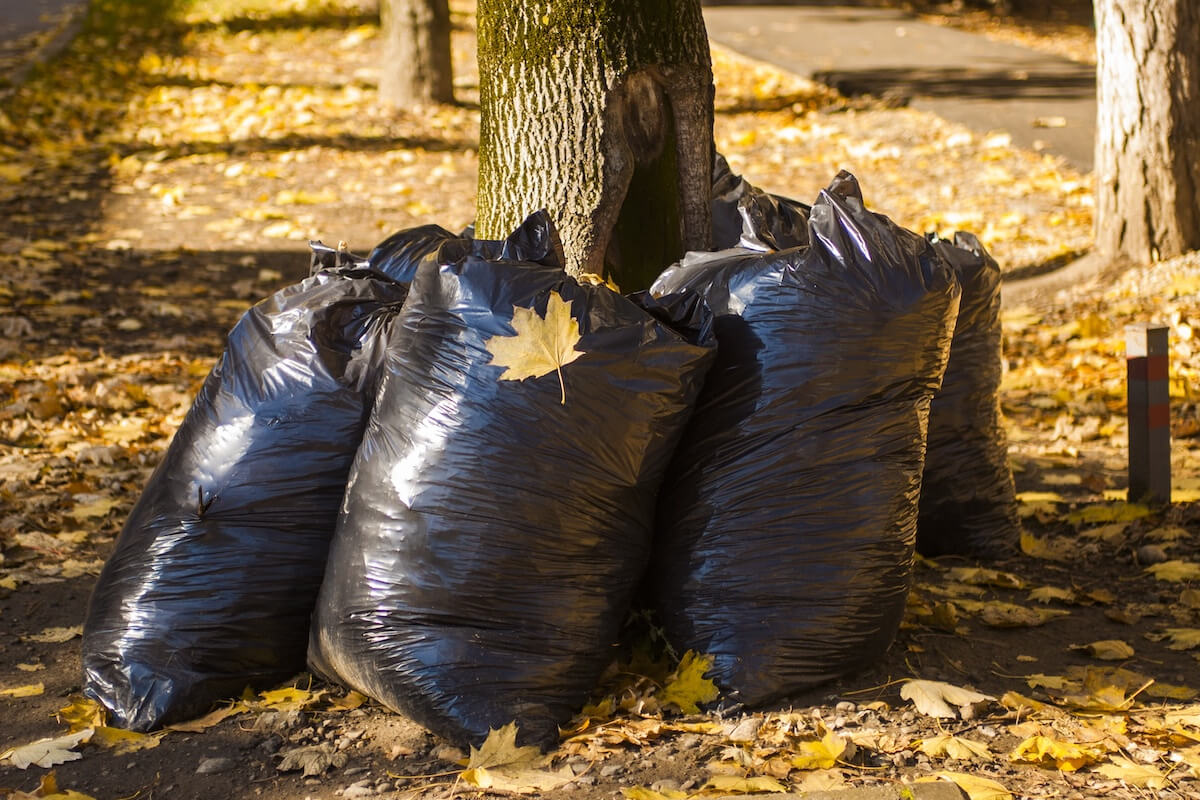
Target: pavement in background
x=1045, y=102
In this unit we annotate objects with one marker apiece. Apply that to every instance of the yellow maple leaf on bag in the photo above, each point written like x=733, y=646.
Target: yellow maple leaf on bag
x=540, y=345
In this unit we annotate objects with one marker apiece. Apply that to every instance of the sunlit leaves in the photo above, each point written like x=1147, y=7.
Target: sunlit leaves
x=821, y=754
x=948, y=746
x=688, y=687
x=502, y=765
x=975, y=786
x=1134, y=774
x=1175, y=570
x=1067, y=756
x=938, y=699
x=47, y=752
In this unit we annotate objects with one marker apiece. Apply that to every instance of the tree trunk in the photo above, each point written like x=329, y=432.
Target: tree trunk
x=416, y=52
x=601, y=113
x=1148, y=128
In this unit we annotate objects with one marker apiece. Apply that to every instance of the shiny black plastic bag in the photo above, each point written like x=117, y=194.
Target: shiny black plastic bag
x=745, y=216
x=787, y=524
x=217, y=569
x=968, y=504
x=494, y=529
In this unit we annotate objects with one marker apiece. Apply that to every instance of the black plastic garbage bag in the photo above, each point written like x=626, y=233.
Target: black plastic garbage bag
x=788, y=520
x=398, y=255
x=968, y=504
x=746, y=216
x=494, y=528
x=216, y=572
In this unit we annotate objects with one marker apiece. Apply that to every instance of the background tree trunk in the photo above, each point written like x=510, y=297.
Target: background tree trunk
x=1148, y=128
x=416, y=52
x=601, y=113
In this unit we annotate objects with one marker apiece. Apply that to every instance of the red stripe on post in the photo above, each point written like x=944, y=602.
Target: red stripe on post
x=1159, y=416
x=1139, y=369
x=1156, y=368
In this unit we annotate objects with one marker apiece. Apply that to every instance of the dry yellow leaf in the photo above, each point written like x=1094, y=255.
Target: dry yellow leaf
x=540, y=345
x=1045, y=594
x=1175, y=570
x=1183, y=638
x=1009, y=615
x=687, y=687
x=977, y=788
x=28, y=690
x=981, y=576
x=646, y=793
x=82, y=712
x=1106, y=649
x=55, y=635
x=1046, y=751
x=1057, y=550
x=821, y=754
x=290, y=698
x=935, y=698
x=1117, y=512
x=733, y=783
x=1122, y=769
x=954, y=747
x=500, y=764
x=210, y=719
x=122, y=741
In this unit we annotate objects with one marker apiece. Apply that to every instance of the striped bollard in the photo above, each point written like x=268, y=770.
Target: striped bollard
x=1149, y=413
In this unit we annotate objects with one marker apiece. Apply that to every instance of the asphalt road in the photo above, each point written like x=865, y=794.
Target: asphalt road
x=22, y=17
x=1044, y=102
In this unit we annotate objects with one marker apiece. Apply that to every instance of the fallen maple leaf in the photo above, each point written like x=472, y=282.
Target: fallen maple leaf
x=314, y=759
x=954, y=747
x=82, y=712
x=687, y=686
x=734, y=783
x=122, y=741
x=1066, y=756
x=1143, y=775
x=1183, y=638
x=646, y=793
x=1175, y=570
x=935, y=698
x=1106, y=649
x=48, y=790
x=211, y=718
x=55, y=635
x=290, y=698
x=821, y=754
x=47, y=752
x=539, y=345
x=982, y=576
x=977, y=788
x=1010, y=615
x=502, y=765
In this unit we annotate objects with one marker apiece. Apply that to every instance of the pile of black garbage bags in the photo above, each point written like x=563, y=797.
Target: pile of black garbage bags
x=442, y=474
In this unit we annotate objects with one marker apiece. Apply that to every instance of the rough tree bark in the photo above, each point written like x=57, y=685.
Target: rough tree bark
x=1148, y=128
x=602, y=113
x=416, y=52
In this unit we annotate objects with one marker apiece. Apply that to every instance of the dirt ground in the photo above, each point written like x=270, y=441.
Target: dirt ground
x=146, y=207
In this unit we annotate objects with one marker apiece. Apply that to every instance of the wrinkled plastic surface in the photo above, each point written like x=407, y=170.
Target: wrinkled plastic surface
x=217, y=569
x=398, y=255
x=746, y=216
x=492, y=536
x=968, y=504
x=788, y=520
